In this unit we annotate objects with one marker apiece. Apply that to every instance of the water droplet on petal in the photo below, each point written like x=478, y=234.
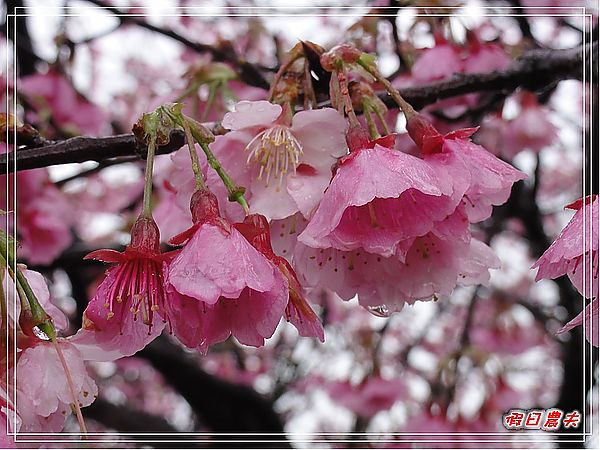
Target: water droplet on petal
x=379, y=311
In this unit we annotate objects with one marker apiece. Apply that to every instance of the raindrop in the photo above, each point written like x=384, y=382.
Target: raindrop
x=379, y=311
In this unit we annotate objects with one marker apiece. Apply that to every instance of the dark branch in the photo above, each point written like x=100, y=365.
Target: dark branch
x=248, y=72
x=534, y=71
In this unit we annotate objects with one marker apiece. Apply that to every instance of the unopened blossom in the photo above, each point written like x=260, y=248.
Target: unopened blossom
x=298, y=311
x=377, y=199
x=220, y=285
x=44, y=394
x=575, y=250
x=284, y=161
x=489, y=179
x=128, y=310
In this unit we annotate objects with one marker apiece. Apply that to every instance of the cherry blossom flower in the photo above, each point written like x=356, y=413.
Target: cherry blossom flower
x=372, y=395
x=530, y=130
x=575, y=250
x=484, y=56
x=128, y=310
x=490, y=179
x=44, y=215
x=52, y=92
x=298, y=311
x=377, y=199
x=220, y=285
x=286, y=164
x=437, y=63
x=43, y=392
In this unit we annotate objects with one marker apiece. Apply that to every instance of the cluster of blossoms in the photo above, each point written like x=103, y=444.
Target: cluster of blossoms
x=328, y=209
x=345, y=211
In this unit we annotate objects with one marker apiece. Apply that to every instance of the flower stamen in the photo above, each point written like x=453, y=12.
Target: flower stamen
x=276, y=150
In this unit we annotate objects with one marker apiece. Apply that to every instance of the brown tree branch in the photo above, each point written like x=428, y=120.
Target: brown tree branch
x=533, y=71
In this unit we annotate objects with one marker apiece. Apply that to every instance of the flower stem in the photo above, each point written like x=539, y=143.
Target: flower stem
x=406, y=107
x=236, y=193
x=370, y=122
x=71, y=385
x=198, y=176
x=147, y=209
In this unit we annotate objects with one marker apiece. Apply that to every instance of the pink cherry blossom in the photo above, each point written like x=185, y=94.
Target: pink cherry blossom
x=369, y=397
x=128, y=310
x=287, y=163
x=44, y=216
x=298, y=311
x=220, y=285
x=378, y=198
x=575, y=250
x=52, y=92
x=485, y=57
x=437, y=63
x=490, y=179
x=43, y=392
x=530, y=130
x=591, y=322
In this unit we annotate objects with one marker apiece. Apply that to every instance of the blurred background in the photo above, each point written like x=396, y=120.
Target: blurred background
x=452, y=365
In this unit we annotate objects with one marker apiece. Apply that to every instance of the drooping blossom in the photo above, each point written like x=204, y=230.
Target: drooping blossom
x=372, y=395
x=484, y=57
x=298, y=311
x=129, y=307
x=439, y=62
x=432, y=266
x=44, y=393
x=489, y=179
x=220, y=285
x=285, y=162
x=378, y=199
x=575, y=250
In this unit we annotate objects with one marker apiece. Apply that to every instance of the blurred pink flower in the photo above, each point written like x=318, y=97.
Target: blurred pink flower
x=530, y=130
x=437, y=63
x=52, y=93
x=44, y=215
x=43, y=393
x=369, y=397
